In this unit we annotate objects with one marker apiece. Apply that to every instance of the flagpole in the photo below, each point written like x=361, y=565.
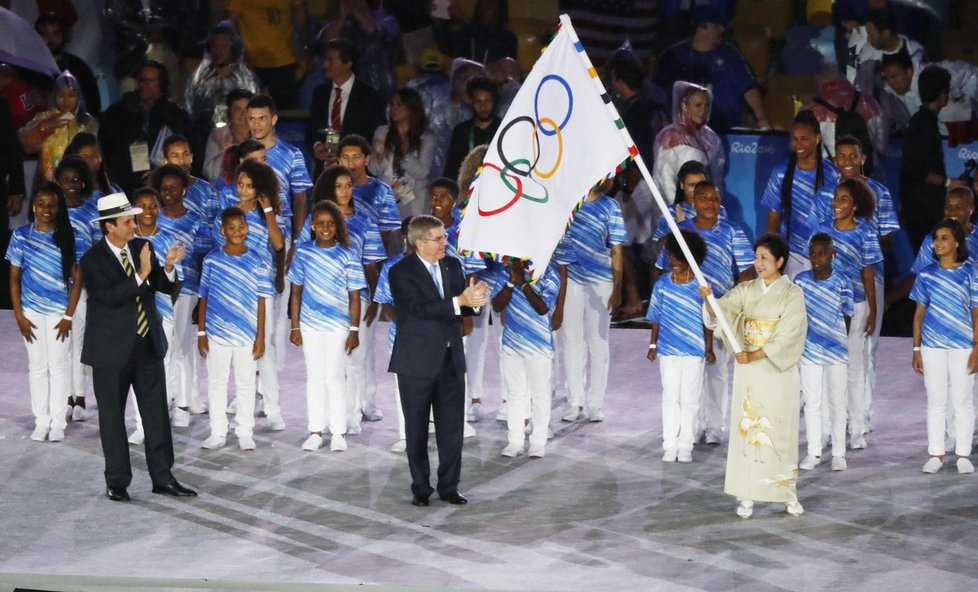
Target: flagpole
x=663, y=207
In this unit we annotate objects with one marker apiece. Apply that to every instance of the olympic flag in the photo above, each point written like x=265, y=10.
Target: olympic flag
x=559, y=138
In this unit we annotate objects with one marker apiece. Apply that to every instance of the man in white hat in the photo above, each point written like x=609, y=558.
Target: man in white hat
x=124, y=345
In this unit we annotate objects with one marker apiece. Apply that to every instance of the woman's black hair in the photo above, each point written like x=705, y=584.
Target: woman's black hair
x=235, y=154
x=263, y=179
x=417, y=124
x=77, y=164
x=804, y=117
x=168, y=170
x=83, y=140
x=325, y=187
x=695, y=242
x=690, y=167
x=342, y=234
x=957, y=230
x=776, y=245
x=863, y=201
x=64, y=234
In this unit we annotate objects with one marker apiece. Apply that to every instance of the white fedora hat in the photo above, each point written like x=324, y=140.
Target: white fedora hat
x=115, y=205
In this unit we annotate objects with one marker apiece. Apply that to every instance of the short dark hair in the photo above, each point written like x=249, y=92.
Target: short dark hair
x=628, y=68
x=168, y=170
x=236, y=95
x=77, y=164
x=933, y=81
x=346, y=49
x=849, y=140
x=706, y=184
x=482, y=83
x=176, y=139
x=404, y=225
x=146, y=191
x=695, y=242
x=776, y=245
x=355, y=140
x=964, y=191
x=882, y=19
x=957, y=229
x=900, y=58
x=232, y=212
x=821, y=238
x=161, y=71
x=445, y=183
x=862, y=196
x=53, y=18
x=261, y=102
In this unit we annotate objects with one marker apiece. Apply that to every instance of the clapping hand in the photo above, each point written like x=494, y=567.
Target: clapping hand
x=474, y=295
x=175, y=253
x=145, y=261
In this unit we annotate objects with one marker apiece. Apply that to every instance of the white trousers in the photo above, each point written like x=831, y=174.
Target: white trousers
x=828, y=384
x=360, y=373
x=526, y=382
x=281, y=327
x=682, y=387
x=856, y=381
x=872, y=345
x=80, y=374
x=476, y=343
x=715, y=404
x=325, y=357
x=221, y=360
x=47, y=369
x=946, y=378
x=401, y=432
x=267, y=367
x=183, y=348
x=368, y=394
x=586, y=327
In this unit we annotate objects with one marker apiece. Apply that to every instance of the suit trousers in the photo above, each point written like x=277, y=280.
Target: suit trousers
x=145, y=374
x=47, y=366
x=443, y=394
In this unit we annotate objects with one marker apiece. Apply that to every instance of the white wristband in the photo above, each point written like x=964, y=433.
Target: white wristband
x=916, y=349
x=266, y=210
x=296, y=329
x=653, y=346
x=354, y=329
x=201, y=333
x=66, y=317
x=510, y=285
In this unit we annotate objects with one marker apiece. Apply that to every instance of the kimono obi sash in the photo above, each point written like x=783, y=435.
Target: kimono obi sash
x=757, y=332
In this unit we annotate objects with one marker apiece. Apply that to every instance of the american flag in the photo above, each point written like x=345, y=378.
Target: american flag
x=603, y=25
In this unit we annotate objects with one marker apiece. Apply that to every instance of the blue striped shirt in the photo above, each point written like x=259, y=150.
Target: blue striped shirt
x=526, y=333
x=806, y=203
x=377, y=200
x=162, y=241
x=202, y=199
x=195, y=235
x=232, y=285
x=925, y=256
x=949, y=295
x=83, y=223
x=854, y=249
x=678, y=310
x=290, y=168
x=42, y=285
x=258, y=237
x=327, y=276
x=383, y=295
x=586, y=247
x=728, y=254
x=827, y=302
x=689, y=211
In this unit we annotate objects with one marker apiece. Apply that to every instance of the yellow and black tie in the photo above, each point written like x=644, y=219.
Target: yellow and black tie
x=142, y=324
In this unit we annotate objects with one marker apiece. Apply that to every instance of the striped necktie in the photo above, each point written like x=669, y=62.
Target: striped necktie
x=142, y=324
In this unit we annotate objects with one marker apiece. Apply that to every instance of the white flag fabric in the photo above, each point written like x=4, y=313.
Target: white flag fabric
x=560, y=137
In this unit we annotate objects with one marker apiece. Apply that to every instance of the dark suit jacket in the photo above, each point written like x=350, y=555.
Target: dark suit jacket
x=426, y=322
x=364, y=113
x=110, y=331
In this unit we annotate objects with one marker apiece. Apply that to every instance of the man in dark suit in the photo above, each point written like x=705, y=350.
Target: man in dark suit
x=124, y=345
x=430, y=298
x=343, y=103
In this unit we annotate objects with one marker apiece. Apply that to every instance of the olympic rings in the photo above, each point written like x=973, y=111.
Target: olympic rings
x=517, y=192
x=519, y=187
x=560, y=147
x=570, y=102
x=502, y=154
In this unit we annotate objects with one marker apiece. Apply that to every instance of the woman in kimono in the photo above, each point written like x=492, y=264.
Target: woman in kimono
x=768, y=316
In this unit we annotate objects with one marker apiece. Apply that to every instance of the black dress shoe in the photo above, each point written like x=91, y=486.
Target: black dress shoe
x=454, y=497
x=419, y=500
x=117, y=494
x=175, y=489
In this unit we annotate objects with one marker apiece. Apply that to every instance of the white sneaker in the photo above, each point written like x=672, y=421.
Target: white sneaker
x=181, y=418
x=933, y=465
x=794, y=508
x=670, y=456
x=964, y=465
x=354, y=430
x=536, y=451
x=39, y=433
x=745, y=509
x=312, y=443
x=373, y=415
x=685, y=456
x=197, y=407
x=399, y=446
x=214, y=442
x=839, y=463
x=502, y=413
x=573, y=415
x=475, y=412
x=58, y=434
x=468, y=431
x=246, y=443
x=858, y=442
x=337, y=443
x=595, y=415
x=809, y=462
x=275, y=423
x=513, y=450
x=137, y=437
x=79, y=413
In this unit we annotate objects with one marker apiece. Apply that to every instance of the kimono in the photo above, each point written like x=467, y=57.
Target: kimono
x=762, y=460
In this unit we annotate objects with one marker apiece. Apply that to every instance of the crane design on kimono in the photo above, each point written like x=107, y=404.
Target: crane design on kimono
x=755, y=428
